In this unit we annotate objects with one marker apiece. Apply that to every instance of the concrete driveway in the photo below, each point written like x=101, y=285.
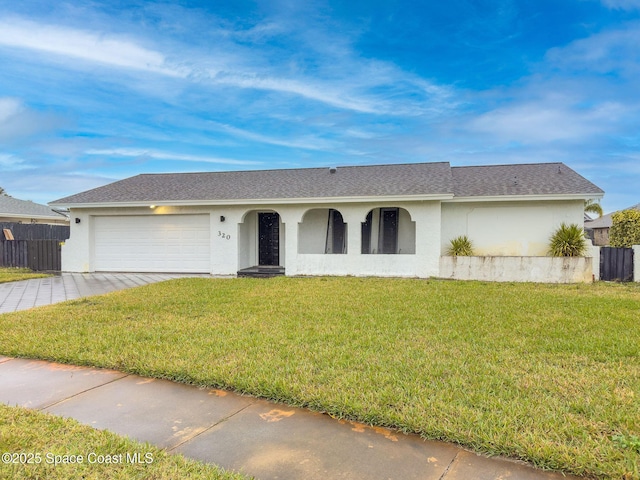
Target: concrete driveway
x=36, y=292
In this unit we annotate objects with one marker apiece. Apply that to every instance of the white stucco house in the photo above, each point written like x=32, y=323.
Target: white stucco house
x=380, y=220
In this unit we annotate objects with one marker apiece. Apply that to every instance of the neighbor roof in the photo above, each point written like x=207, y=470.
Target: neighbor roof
x=12, y=207
x=606, y=221
x=413, y=179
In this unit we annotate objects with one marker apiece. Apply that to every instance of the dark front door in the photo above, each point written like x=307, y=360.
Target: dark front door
x=268, y=239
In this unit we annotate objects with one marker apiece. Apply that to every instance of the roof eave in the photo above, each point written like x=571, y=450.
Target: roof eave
x=523, y=198
x=58, y=217
x=253, y=201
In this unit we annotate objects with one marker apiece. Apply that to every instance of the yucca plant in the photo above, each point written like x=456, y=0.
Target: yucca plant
x=460, y=247
x=568, y=241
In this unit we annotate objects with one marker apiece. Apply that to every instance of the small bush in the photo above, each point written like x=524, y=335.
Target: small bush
x=460, y=247
x=625, y=229
x=568, y=241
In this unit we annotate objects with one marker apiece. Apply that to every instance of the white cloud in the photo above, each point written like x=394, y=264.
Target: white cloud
x=307, y=142
x=84, y=45
x=17, y=121
x=325, y=94
x=622, y=4
x=9, y=107
x=608, y=51
x=159, y=155
x=341, y=80
x=548, y=121
x=10, y=162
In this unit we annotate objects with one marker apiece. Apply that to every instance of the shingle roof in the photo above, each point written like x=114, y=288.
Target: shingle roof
x=527, y=179
x=362, y=181
x=13, y=207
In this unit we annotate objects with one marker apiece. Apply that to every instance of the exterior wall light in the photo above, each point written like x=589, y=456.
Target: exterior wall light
x=222, y=219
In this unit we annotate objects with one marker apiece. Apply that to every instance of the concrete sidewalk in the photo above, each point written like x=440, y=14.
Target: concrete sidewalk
x=36, y=292
x=249, y=435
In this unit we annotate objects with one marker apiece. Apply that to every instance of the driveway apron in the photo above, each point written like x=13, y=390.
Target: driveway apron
x=36, y=292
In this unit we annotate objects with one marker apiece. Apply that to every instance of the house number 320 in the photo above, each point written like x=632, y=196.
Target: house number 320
x=226, y=236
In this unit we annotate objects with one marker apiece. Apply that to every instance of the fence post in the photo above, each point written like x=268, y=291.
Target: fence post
x=636, y=263
x=594, y=253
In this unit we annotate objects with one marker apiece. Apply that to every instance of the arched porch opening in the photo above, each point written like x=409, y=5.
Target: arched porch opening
x=322, y=231
x=388, y=230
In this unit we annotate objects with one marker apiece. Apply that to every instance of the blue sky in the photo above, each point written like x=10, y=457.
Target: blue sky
x=92, y=92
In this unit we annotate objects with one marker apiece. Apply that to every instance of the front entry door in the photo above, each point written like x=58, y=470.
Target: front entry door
x=268, y=239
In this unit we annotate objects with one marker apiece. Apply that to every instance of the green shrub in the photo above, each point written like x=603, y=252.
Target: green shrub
x=460, y=246
x=625, y=230
x=568, y=241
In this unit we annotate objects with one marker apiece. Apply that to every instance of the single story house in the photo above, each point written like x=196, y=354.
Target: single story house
x=378, y=220
x=24, y=211
x=598, y=228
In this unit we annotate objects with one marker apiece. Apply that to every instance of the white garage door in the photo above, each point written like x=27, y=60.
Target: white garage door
x=152, y=243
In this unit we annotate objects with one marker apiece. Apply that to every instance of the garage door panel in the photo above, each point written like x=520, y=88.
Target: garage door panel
x=152, y=243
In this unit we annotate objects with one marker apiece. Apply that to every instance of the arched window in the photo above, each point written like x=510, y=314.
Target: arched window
x=388, y=230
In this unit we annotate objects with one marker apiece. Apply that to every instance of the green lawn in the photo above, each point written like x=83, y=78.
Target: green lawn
x=59, y=449
x=546, y=373
x=15, y=274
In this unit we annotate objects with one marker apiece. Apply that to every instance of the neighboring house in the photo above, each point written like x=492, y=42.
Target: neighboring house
x=22, y=211
x=381, y=220
x=598, y=229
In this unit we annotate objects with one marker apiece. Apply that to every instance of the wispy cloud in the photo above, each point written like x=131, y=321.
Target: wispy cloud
x=547, y=121
x=610, y=51
x=307, y=142
x=344, y=82
x=83, y=45
x=622, y=4
x=9, y=162
x=171, y=156
x=17, y=121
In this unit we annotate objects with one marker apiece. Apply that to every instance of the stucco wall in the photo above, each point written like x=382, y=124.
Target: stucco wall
x=518, y=269
x=508, y=228
x=234, y=239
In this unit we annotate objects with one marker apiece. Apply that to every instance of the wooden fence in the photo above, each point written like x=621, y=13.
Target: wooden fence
x=37, y=255
x=35, y=231
x=616, y=264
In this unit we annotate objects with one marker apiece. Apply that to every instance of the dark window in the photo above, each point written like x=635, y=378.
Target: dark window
x=335, y=242
x=388, y=233
x=366, y=233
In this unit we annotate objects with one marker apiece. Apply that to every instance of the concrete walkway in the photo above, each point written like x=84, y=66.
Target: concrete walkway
x=36, y=292
x=249, y=435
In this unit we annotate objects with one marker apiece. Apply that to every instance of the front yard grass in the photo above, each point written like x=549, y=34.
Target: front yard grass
x=45, y=446
x=545, y=373
x=15, y=274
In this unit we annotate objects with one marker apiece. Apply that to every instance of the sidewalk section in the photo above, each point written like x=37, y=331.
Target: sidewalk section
x=241, y=433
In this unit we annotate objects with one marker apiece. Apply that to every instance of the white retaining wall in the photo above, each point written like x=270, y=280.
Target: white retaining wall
x=518, y=269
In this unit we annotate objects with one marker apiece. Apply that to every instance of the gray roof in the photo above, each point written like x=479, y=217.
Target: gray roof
x=524, y=179
x=606, y=221
x=13, y=207
x=412, y=179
